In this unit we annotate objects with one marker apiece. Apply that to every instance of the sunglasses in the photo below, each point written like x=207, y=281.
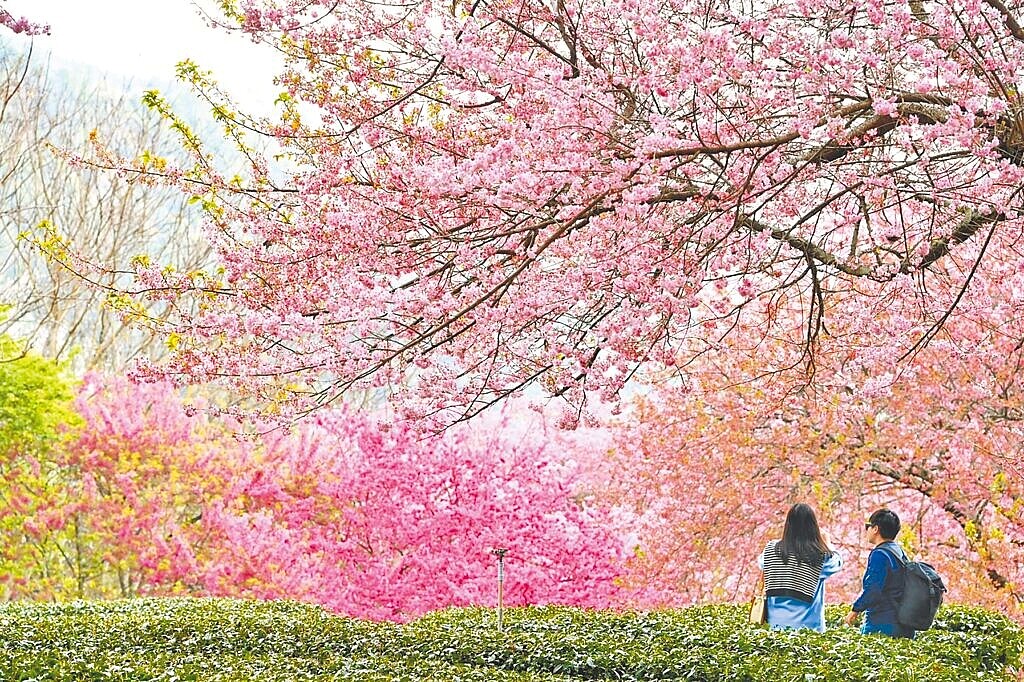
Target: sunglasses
x=868, y=525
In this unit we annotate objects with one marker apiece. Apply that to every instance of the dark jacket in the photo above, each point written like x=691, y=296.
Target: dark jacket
x=882, y=588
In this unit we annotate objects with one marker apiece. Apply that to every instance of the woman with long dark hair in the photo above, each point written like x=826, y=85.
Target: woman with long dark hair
x=795, y=569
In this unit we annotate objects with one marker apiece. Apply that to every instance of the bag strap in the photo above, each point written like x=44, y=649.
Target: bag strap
x=899, y=562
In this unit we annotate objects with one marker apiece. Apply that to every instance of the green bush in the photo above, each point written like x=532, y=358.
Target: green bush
x=232, y=641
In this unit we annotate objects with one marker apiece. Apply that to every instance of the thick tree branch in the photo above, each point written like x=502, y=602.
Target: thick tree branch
x=808, y=248
x=1012, y=25
x=964, y=231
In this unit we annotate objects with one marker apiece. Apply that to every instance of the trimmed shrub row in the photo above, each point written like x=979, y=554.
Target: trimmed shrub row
x=231, y=641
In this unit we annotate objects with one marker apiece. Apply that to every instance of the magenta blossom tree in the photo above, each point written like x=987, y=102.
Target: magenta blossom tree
x=376, y=523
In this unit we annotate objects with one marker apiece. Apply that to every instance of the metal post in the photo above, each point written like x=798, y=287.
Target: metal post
x=500, y=553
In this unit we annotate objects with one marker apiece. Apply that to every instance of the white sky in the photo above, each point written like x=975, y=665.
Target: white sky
x=144, y=39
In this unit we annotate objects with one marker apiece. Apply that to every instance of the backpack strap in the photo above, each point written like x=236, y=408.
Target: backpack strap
x=899, y=562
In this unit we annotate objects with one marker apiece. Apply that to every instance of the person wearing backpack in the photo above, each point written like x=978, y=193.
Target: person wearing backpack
x=883, y=579
x=795, y=569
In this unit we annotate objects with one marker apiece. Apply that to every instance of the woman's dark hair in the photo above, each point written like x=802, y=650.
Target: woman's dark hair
x=801, y=538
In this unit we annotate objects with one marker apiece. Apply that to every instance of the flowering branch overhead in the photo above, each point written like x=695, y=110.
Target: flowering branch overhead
x=21, y=24
x=494, y=195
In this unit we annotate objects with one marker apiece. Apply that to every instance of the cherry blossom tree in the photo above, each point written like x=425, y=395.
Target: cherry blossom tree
x=149, y=497
x=112, y=511
x=379, y=524
x=710, y=473
x=485, y=196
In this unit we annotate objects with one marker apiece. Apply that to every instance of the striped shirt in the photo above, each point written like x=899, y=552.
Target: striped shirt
x=794, y=579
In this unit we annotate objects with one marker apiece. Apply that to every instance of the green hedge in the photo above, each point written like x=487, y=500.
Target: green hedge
x=232, y=641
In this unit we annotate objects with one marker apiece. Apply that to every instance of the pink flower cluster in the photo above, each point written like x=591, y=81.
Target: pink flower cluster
x=22, y=25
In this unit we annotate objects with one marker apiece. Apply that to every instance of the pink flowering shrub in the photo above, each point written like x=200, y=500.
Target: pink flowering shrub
x=361, y=517
x=373, y=522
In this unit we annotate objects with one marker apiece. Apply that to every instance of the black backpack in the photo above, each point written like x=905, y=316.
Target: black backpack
x=923, y=591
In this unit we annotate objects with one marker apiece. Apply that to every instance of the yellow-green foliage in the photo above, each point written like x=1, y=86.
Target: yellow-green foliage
x=36, y=407
x=35, y=400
